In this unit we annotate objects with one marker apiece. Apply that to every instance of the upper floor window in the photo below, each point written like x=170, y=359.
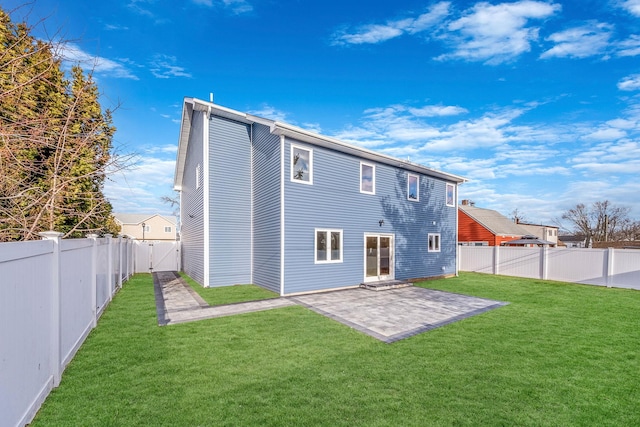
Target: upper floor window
x=328, y=246
x=198, y=176
x=434, y=242
x=167, y=229
x=367, y=178
x=301, y=165
x=413, y=186
x=451, y=195
x=146, y=228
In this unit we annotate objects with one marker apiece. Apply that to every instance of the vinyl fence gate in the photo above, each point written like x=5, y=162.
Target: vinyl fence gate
x=157, y=256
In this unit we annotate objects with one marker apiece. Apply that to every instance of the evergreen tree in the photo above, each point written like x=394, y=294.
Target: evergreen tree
x=55, y=142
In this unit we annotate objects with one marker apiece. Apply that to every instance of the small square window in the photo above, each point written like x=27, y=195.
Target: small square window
x=413, y=187
x=434, y=242
x=451, y=195
x=301, y=165
x=328, y=246
x=167, y=229
x=367, y=178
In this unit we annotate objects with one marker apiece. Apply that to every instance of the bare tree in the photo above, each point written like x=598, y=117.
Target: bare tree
x=173, y=201
x=600, y=222
x=517, y=216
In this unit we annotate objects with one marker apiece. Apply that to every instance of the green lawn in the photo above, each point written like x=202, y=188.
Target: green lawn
x=229, y=294
x=557, y=355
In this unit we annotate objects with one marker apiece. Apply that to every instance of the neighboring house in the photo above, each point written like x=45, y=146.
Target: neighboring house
x=573, y=241
x=544, y=232
x=485, y=227
x=293, y=211
x=156, y=227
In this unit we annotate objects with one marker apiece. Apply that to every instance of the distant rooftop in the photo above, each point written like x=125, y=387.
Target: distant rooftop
x=493, y=221
x=127, y=218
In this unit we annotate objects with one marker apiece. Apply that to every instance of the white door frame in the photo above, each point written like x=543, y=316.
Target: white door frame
x=392, y=251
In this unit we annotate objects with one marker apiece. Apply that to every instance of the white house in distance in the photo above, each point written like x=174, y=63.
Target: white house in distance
x=545, y=232
x=152, y=227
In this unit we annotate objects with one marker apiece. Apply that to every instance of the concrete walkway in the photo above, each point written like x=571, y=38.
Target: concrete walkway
x=389, y=315
x=176, y=302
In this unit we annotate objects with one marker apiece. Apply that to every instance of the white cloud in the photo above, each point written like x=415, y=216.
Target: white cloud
x=164, y=67
x=496, y=33
x=235, y=6
x=72, y=54
x=269, y=112
x=629, y=47
x=631, y=82
x=632, y=6
x=580, y=42
x=115, y=27
x=139, y=188
x=437, y=110
x=606, y=134
x=377, y=33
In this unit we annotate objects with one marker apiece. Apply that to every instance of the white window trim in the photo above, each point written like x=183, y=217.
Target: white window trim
x=169, y=229
x=373, y=178
x=446, y=195
x=417, y=199
x=315, y=245
x=437, y=242
x=300, y=147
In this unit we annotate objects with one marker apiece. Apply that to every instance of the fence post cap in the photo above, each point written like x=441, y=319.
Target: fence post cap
x=92, y=236
x=50, y=235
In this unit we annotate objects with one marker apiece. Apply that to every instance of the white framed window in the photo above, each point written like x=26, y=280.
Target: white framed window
x=198, y=176
x=328, y=246
x=167, y=229
x=451, y=195
x=413, y=187
x=301, y=164
x=433, y=242
x=367, y=178
x=147, y=228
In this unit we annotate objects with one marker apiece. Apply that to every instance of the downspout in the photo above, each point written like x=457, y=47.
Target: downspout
x=205, y=203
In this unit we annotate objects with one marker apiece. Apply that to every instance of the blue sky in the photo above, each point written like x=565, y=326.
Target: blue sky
x=537, y=103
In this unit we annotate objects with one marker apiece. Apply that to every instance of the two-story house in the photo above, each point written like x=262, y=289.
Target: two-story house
x=148, y=227
x=294, y=211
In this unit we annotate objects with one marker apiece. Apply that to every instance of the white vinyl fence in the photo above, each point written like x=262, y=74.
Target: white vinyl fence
x=605, y=267
x=52, y=293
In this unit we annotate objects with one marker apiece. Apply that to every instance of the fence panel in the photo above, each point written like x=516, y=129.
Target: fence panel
x=521, y=262
x=25, y=328
x=626, y=269
x=476, y=258
x=77, y=308
x=577, y=265
x=102, y=275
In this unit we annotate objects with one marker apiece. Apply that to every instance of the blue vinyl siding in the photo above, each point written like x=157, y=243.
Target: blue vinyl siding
x=229, y=202
x=192, y=212
x=266, y=208
x=334, y=201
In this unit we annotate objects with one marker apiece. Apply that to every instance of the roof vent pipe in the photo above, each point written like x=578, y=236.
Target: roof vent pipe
x=211, y=97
